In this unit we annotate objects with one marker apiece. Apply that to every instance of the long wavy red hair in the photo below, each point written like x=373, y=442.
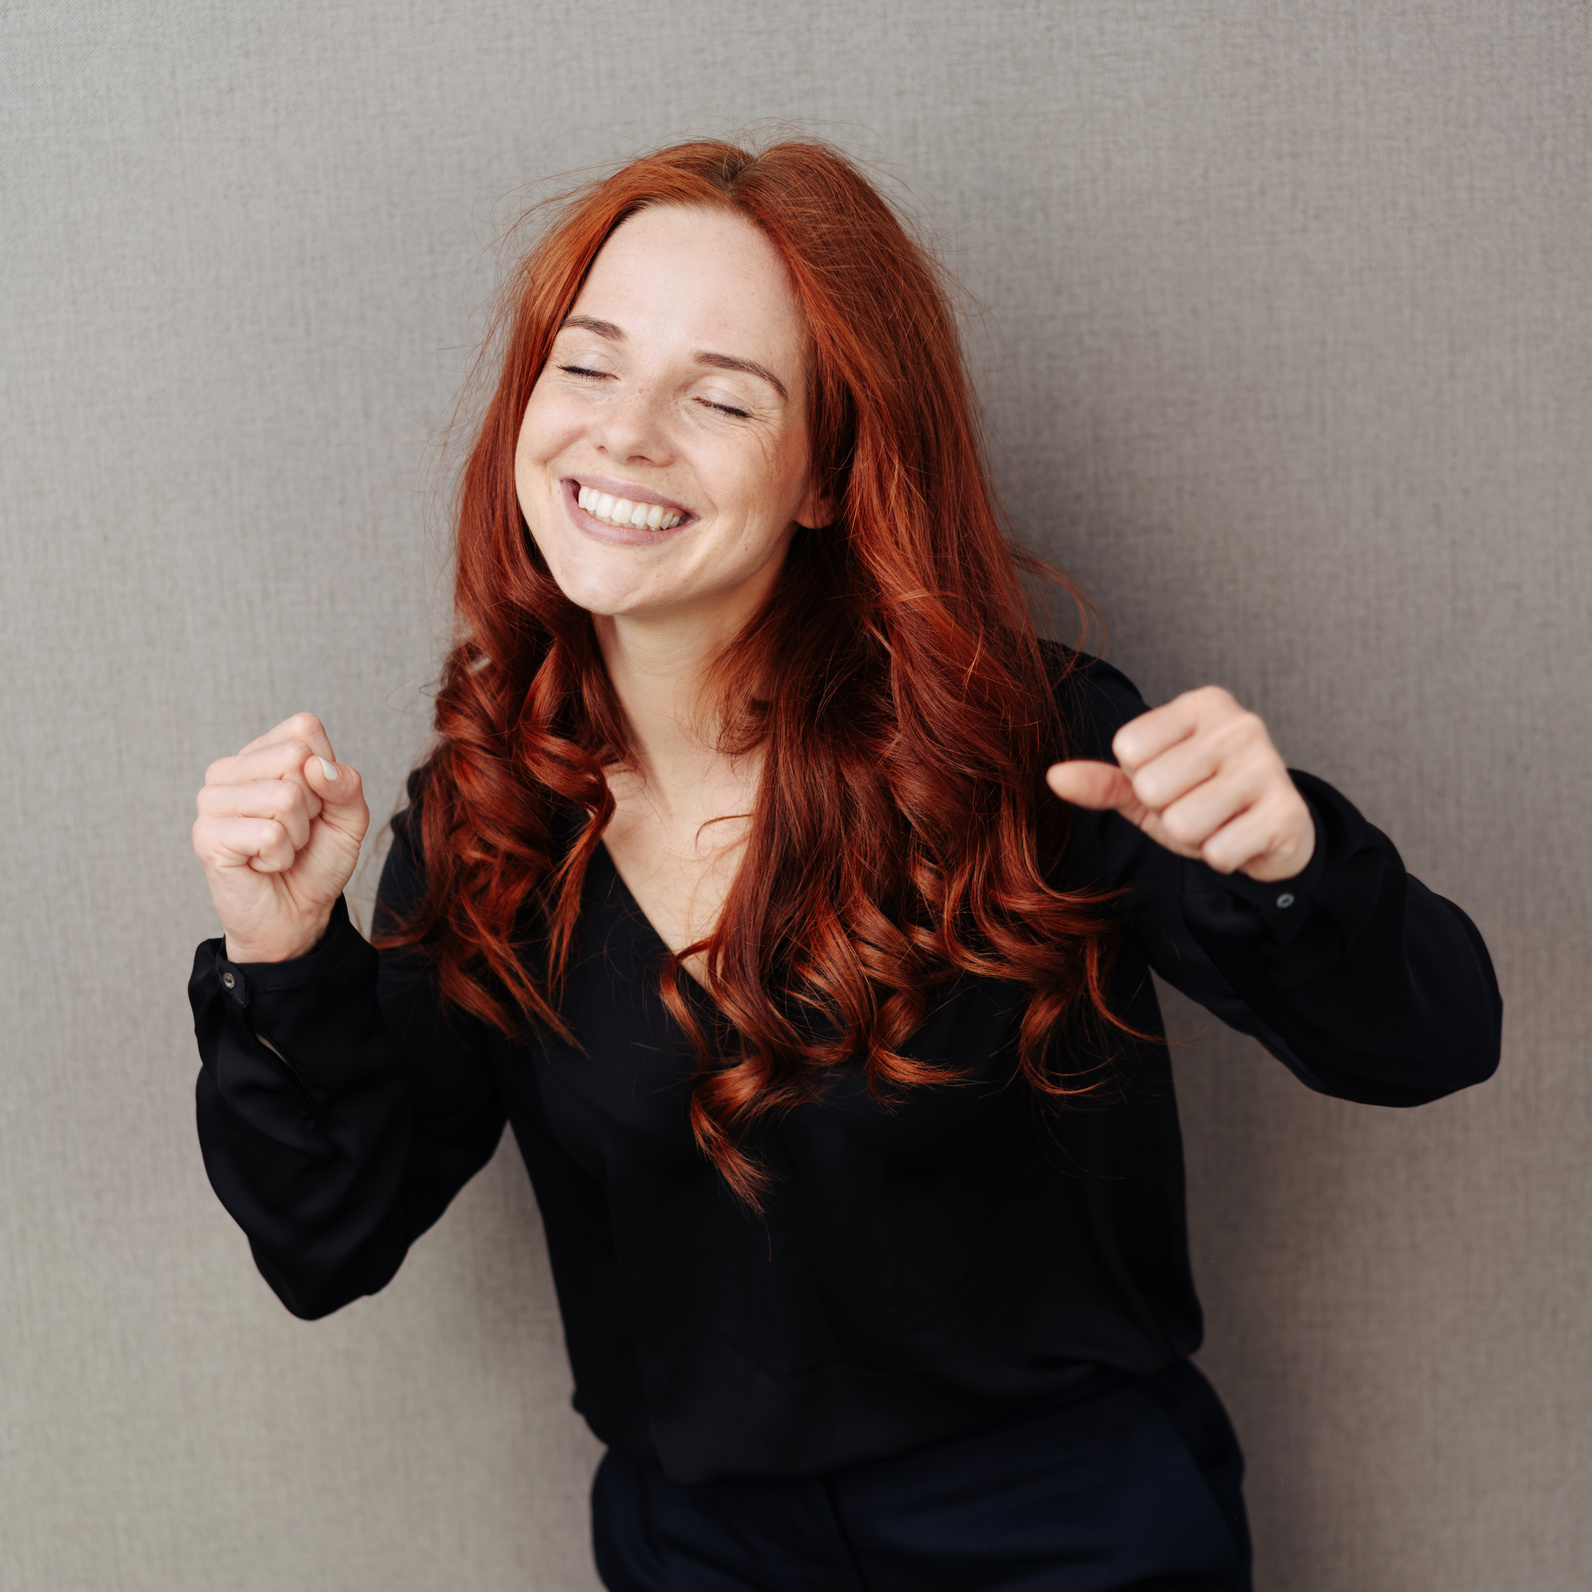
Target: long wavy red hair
x=894, y=686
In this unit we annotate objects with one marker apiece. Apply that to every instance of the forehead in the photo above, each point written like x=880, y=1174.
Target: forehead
x=708, y=278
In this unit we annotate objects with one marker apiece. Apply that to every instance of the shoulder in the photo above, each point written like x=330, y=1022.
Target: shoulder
x=434, y=815
x=403, y=876
x=1094, y=698
x=406, y=823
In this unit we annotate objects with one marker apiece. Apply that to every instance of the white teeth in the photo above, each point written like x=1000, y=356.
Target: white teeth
x=623, y=512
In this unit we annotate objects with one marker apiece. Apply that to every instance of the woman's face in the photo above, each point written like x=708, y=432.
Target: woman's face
x=663, y=462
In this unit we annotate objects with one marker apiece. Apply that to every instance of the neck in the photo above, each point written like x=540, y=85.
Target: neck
x=658, y=666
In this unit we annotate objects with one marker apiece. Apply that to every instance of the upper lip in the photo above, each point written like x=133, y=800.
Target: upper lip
x=629, y=490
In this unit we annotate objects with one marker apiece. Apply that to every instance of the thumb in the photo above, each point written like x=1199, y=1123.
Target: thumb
x=324, y=867
x=341, y=792
x=1097, y=786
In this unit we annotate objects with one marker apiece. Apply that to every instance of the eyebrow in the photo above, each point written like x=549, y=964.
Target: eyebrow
x=614, y=334
x=750, y=366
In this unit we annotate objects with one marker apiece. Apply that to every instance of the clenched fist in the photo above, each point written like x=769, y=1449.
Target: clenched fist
x=1201, y=777
x=278, y=833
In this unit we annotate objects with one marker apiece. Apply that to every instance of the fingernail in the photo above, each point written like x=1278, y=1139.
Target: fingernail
x=328, y=769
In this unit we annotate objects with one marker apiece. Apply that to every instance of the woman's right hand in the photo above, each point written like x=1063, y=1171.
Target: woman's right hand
x=278, y=833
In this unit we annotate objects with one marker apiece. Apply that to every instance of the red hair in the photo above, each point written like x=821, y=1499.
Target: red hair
x=894, y=684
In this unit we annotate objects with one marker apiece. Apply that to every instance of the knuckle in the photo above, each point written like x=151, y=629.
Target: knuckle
x=1147, y=789
x=1219, y=856
x=286, y=799
x=1182, y=827
x=1274, y=787
x=1240, y=732
x=1285, y=821
x=215, y=801
x=305, y=724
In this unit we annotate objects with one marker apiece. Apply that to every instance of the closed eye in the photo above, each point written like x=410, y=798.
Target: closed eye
x=581, y=370
x=726, y=409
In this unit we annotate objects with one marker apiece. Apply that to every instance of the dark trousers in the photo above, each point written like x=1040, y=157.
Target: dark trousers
x=1128, y=1482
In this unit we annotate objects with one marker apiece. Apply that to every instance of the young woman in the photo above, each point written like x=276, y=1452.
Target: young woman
x=733, y=883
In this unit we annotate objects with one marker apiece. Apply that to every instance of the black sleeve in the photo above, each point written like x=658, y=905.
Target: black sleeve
x=1366, y=984
x=340, y=1109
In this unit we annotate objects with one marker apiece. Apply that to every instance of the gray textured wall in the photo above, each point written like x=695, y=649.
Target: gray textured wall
x=1286, y=353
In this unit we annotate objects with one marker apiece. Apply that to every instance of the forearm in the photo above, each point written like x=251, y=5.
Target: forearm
x=1377, y=988
x=304, y=1115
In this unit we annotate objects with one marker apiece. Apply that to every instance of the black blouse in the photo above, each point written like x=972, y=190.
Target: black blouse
x=921, y=1269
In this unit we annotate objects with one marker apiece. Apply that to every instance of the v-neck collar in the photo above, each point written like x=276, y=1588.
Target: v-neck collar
x=623, y=898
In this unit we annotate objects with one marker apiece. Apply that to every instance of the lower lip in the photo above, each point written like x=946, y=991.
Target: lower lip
x=619, y=535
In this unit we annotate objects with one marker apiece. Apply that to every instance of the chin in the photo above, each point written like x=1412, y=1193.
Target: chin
x=600, y=591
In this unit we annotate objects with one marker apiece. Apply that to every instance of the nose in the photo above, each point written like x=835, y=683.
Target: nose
x=634, y=427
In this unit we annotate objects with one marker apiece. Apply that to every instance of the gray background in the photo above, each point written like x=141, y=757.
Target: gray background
x=1284, y=345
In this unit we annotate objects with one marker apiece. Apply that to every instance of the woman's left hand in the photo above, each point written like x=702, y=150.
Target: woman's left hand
x=1201, y=777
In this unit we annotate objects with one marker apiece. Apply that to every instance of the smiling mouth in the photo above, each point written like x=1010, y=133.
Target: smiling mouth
x=626, y=514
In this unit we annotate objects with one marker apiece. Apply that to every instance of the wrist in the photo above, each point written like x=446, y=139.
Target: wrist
x=256, y=952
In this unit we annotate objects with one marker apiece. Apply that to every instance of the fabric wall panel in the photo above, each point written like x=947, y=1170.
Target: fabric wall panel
x=1280, y=316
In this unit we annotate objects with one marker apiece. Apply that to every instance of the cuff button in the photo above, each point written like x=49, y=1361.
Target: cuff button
x=1285, y=900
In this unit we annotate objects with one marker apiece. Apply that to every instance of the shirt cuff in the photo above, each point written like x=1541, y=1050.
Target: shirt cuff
x=1284, y=904
x=241, y=980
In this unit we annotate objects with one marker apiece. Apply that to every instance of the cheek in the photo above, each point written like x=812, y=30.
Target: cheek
x=543, y=434
x=788, y=465
x=540, y=440
x=768, y=480
x=547, y=427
